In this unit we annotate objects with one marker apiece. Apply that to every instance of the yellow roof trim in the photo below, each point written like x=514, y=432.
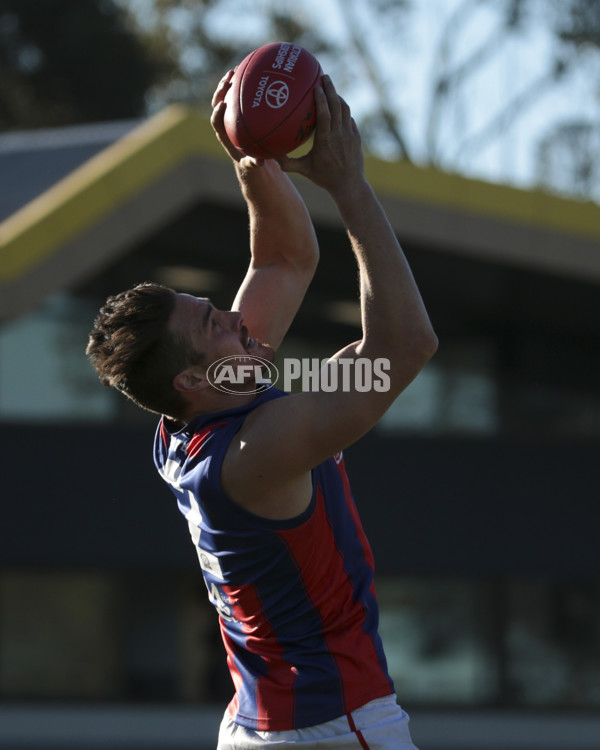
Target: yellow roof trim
x=532, y=207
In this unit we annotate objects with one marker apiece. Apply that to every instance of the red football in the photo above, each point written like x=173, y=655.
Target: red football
x=270, y=104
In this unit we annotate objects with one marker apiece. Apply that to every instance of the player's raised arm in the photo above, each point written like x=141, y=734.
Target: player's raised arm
x=283, y=245
x=285, y=438
x=395, y=323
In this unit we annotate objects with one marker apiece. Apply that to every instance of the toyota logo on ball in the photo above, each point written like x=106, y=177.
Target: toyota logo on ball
x=277, y=94
x=242, y=374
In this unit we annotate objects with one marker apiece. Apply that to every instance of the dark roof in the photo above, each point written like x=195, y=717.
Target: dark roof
x=32, y=161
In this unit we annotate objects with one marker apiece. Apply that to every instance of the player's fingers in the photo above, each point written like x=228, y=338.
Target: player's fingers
x=346, y=116
x=218, y=125
x=322, y=114
x=222, y=88
x=217, y=117
x=250, y=162
x=333, y=102
x=290, y=164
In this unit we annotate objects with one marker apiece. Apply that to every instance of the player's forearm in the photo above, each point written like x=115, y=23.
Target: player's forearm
x=281, y=229
x=394, y=317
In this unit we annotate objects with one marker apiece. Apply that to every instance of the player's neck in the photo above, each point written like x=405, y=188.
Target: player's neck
x=212, y=404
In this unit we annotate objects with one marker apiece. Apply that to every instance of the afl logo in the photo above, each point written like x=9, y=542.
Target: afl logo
x=242, y=374
x=277, y=94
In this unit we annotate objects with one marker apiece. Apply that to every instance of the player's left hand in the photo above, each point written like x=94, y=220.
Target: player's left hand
x=216, y=120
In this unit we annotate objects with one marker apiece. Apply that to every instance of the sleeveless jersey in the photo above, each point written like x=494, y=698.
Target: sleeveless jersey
x=296, y=600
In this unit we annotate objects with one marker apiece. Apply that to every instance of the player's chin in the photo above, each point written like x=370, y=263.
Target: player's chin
x=269, y=352
x=260, y=349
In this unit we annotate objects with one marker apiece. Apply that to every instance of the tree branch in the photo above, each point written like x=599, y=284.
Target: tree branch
x=389, y=117
x=516, y=107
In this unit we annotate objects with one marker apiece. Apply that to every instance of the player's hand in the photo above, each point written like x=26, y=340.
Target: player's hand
x=336, y=160
x=217, y=122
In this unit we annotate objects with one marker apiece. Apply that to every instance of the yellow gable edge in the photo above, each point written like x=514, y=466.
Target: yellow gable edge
x=532, y=207
x=98, y=186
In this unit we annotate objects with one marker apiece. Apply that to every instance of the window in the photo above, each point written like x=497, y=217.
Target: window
x=44, y=373
x=456, y=393
x=437, y=638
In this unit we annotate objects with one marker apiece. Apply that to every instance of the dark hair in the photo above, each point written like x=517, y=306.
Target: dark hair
x=131, y=349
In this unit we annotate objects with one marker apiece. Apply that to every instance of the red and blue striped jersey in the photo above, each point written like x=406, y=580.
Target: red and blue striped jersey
x=296, y=600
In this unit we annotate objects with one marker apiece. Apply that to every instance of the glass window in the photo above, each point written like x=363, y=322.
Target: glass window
x=553, y=644
x=541, y=409
x=436, y=635
x=44, y=373
x=455, y=393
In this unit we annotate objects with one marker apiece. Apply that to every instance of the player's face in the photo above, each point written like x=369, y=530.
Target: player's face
x=215, y=333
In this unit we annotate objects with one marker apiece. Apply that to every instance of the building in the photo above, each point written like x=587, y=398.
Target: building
x=488, y=562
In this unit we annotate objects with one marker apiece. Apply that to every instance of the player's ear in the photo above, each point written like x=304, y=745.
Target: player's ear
x=189, y=380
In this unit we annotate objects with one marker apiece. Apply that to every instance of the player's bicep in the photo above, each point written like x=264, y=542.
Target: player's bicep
x=269, y=298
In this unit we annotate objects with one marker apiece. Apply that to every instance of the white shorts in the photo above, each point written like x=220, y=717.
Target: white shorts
x=378, y=725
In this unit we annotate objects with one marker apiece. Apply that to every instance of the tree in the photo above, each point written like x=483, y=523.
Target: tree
x=372, y=50
x=73, y=61
x=206, y=45
x=568, y=156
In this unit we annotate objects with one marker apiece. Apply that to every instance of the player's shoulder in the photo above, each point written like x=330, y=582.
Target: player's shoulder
x=173, y=440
